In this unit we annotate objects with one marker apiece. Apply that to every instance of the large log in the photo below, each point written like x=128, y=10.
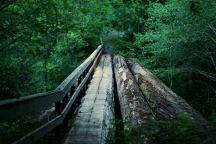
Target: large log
x=133, y=106
x=163, y=101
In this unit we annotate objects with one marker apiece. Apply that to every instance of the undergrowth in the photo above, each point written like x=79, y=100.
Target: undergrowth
x=177, y=131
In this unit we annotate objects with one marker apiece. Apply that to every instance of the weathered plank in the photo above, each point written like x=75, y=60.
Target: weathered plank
x=93, y=120
x=134, y=107
x=164, y=102
x=13, y=108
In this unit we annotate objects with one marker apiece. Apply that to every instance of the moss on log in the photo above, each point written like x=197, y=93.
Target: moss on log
x=163, y=101
x=134, y=108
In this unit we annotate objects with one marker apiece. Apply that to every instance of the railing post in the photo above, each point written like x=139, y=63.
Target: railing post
x=72, y=90
x=89, y=78
x=79, y=98
x=85, y=72
x=80, y=93
x=65, y=101
x=57, y=108
x=73, y=107
x=57, y=113
x=85, y=87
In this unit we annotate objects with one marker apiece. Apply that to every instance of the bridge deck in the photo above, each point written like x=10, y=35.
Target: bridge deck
x=94, y=116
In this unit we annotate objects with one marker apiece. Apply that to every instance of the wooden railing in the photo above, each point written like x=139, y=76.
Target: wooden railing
x=65, y=97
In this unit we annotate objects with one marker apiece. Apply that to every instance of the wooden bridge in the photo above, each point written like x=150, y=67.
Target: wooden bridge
x=90, y=94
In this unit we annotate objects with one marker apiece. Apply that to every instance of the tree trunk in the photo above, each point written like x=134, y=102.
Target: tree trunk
x=163, y=101
x=133, y=106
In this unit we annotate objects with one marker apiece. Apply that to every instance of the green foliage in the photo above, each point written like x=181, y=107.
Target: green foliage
x=177, y=43
x=11, y=131
x=41, y=42
x=180, y=39
x=177, y=131
x=124, y=48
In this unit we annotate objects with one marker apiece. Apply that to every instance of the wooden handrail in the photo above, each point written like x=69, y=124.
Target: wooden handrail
x=44, y=129
x=12, y=108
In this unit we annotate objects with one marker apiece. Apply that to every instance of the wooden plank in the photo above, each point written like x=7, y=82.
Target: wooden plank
x=96, y=112
x=13, y=108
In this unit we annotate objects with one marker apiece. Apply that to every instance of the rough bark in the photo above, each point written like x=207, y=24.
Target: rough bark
x=134, y=107
x=163, y=101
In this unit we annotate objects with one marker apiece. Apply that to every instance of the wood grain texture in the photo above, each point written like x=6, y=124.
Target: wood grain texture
x=134, y=108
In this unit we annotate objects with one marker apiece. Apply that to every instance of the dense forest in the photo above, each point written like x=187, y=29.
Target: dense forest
x=41, y=42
